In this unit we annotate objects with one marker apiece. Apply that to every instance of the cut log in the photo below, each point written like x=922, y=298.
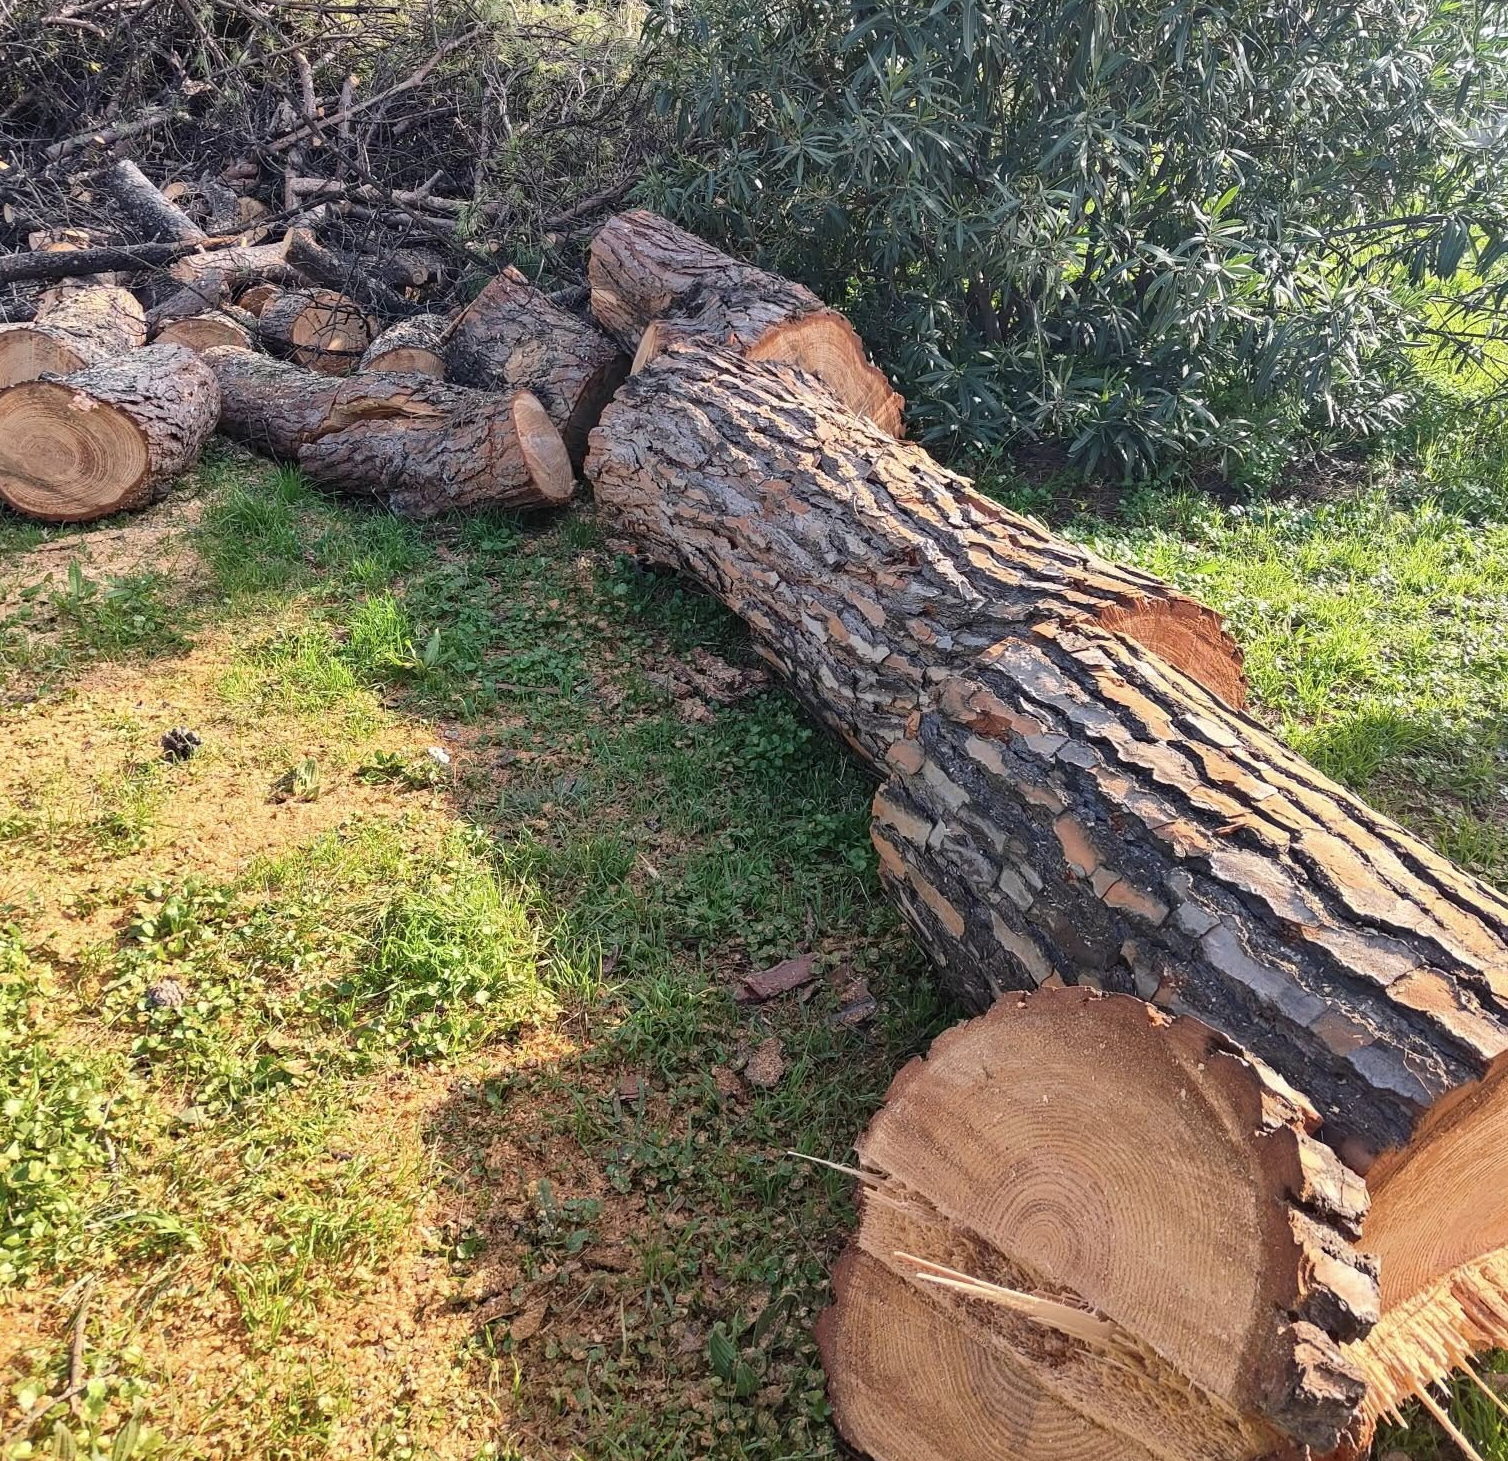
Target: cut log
x=252, y=300
x=344, y=273
x=420, y=445
x=316, y=328
x=411, y=347
x=105, y=439
x=1070, y=798
x=209, y=291
x=72, y=329
x=242, y=265
x=154, y=216
x=229, y=327
x=510, y=337
x=654, y=284
x=1144, y=1174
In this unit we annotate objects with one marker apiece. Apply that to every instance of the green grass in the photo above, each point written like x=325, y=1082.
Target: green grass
x=486, y=1032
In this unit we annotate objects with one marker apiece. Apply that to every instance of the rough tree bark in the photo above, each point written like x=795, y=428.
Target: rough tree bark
x=105, y=439
x=343, y=273
x=654, y=284
x=315, y=328
x=1066, y=802
x=422, y=446
x=71, y=329
x=512, y=338
x=157, y=219
x=411, y=347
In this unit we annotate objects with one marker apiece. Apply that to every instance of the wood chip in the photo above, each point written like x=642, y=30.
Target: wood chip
x=779, y=979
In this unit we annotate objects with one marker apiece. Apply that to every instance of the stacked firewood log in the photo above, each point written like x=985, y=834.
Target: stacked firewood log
x=1213, y=1172
x=134, y=353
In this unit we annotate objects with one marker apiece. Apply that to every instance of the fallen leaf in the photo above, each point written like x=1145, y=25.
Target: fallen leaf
x=632, y=1086
x=779, y=979
x=767, y=1064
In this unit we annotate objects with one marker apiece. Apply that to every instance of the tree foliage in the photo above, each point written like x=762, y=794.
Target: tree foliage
x=1165, y=233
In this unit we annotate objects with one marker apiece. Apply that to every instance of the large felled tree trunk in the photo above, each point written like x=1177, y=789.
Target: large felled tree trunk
x=510, y=337
x=422, y=446
x=1070, y=798
x=105, y=439
x=72, y=329
x=654, y=285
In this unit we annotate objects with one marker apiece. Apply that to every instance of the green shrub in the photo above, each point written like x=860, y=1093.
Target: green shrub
x=1162, y=233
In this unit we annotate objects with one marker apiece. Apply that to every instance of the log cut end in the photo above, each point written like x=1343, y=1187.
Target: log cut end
x=63, y=459
x=821, y=343
x=29, y=351
x=106, y=438
x=1439, y=1224
x=316, y=328
x=1167, y=1256
x=204, y=332
x=543, y=449
x=1188, y=636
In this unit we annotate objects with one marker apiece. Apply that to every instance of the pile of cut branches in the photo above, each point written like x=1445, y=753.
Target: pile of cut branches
x=419, y=138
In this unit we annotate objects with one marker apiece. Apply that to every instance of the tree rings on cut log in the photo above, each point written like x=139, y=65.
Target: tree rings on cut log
x=655, y=285
x=107, y=438
x=411, y=347
x=254, y=298
x=206, y=331
x=1084, y=1152
x=73, y=328
x=316, y=328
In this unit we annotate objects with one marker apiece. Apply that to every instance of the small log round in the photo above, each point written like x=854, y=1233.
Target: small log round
x=211, y=330
x=73, y=328
x=316, y=328
x=420, y=445
x=426, y=448
x=510, y=337
x=106, y=439
x=411, y=347
x=254, y=299
x=655, y=285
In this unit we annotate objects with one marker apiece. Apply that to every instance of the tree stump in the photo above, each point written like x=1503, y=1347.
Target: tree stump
x=420, y=445
x=654, y=285
x=1070, y=797
x=73, y=328
x=411, y=347
x=105, y=439
x=510, y=337
x=315, y=328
